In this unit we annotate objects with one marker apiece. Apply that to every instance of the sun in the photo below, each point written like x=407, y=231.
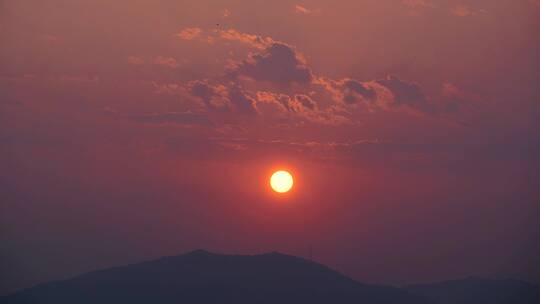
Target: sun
x=281, y=181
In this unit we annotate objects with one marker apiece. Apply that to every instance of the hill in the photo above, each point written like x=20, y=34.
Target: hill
x=476, y=290
x=204, y=277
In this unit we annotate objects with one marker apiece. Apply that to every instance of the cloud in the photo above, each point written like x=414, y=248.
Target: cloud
x=225, y=13
x=279, y=63
x=457, y=101
x=296, y=104
x=184, y=118
x=282, y=101
x=405, y=93
x=366, y=152
x=301, y=107
x=215, y=97
x=135, y=60
x=454, y=98
x=301, y=9
x=254, y=41
x=190, y=33
x=350, y=91
x=305, y=101
x=354, y=91
x=417, y=3
x=241, y=100
x=388, y=94
x=463, y=11
x=251, y=40
x=460, y=10
x=417, y=7
x=166, y=62
x=394, y=94
x=74, y=79
x=223, y=97
x=166, y=88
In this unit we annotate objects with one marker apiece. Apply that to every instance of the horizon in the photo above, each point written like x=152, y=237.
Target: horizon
x=203, y=252
x=275, y=253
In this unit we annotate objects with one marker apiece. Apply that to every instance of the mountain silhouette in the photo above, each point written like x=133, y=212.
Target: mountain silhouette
x=476, y=290
x=204, y=277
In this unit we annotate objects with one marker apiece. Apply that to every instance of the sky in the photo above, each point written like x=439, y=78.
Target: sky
x=135, y=129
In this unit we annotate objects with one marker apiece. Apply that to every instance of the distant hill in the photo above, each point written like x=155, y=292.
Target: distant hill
x=203, y=277
x=475, y=291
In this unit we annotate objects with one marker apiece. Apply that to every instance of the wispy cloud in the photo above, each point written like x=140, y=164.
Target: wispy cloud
x=255, y=41
x=464, y=11
x=183, y=118
x=301, y=9
x=417, y=3
x=135, y=60
x=190, y=33
x=166, y=62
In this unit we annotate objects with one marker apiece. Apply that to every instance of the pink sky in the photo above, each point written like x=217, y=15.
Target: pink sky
x=136, y=129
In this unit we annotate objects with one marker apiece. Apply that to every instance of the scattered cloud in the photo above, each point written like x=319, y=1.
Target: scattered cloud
x=210, y=36
x=279, y=63
x=214, y=97
x=354, y=91
x=305, y=101
x=388, y=94
x=456, y=100
x=417, y=3
x=417, y=7
x=277, y=74
x=463, y=11
x=223, y=97
x=184, y=118
x=453, y=96
x=301, y=9
x=405, y=93
x=135, y=60
x=242, y=101
x=349, y=92
x=254, y=41
x=163, y=61
x=73, y=79
x=301, y=107
x=190, y=33
x=166, y=62
x=296, y=104
x=166, y=88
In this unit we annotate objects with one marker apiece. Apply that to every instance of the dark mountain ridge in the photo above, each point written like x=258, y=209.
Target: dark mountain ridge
x=478, y=290
x=203, y=277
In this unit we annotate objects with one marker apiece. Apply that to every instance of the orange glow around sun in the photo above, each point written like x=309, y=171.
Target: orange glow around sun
x=281, y=181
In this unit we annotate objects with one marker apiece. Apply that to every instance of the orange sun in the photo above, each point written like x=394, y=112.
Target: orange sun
x=281, y=181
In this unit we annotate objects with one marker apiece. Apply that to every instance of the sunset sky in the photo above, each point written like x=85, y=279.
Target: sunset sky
x=134, y=129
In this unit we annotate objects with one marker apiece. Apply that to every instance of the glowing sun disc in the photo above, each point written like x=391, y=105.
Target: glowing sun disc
x=281, y=181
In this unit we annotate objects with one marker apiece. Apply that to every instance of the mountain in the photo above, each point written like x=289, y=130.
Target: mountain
x=203, y=277
x=475, y=290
